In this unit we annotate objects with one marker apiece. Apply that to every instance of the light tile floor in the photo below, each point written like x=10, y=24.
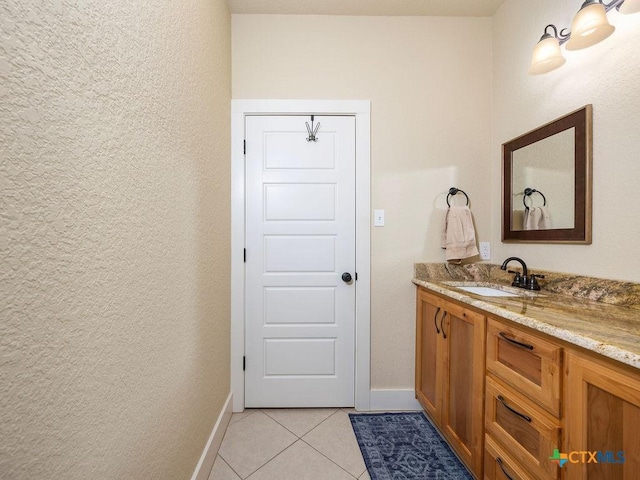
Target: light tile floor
x=290, y=444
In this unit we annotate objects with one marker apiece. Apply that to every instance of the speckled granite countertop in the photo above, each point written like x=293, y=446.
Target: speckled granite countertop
x=609, y=326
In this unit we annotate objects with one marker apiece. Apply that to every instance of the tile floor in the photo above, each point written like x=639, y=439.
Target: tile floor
x=290, y=444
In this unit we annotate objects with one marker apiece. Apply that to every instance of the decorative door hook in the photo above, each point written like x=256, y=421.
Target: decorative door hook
x=312, y=131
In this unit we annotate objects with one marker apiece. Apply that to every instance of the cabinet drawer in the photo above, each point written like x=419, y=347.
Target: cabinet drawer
x=526, y=362
x=499, y=465
x=525, y=430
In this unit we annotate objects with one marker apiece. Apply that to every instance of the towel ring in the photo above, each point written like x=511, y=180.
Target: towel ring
x=527, y=194
x=454, y=191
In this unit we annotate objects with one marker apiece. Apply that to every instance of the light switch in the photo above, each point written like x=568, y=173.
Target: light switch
x=378, y=218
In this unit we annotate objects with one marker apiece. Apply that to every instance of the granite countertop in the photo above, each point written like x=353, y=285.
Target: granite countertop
x=610, y=326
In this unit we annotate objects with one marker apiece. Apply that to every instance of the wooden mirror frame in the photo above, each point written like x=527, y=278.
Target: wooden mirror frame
x=582, y=121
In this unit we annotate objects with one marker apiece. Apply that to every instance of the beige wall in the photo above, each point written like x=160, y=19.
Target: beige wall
x=429, y=82
x=114, y=236
x=606, y=75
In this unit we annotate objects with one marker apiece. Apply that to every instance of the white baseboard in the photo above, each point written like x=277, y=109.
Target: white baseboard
x=205, y=464
x=394, y=400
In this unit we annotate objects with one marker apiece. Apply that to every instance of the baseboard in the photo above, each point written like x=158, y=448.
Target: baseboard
x=394, y=400
x=205, y=464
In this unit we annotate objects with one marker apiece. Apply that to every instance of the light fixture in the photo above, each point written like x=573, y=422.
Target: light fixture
x=546, y=54
x=590, y=26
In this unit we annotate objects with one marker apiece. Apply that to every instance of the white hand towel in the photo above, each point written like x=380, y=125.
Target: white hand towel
x=458, y=234
x=532, y=219
x=545, y=219
x=526, y=225
x=537, y=218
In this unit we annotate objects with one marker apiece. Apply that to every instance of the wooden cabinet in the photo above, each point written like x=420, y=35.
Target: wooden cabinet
x=450, y=346
x=508, y=421
x=602, y=419
x=522, y=404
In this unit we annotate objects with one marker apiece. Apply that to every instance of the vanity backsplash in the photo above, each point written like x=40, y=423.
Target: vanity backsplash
x=623, y=294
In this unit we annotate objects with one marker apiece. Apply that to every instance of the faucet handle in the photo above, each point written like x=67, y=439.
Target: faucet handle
x=517, y=280
x=533, y=283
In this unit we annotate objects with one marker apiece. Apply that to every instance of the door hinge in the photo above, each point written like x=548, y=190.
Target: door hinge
x=244, y=147
x=244, y=363
x=245, y=255
x=356, y=276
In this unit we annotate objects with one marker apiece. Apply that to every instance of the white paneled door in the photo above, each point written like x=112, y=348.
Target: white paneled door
x=300, y=241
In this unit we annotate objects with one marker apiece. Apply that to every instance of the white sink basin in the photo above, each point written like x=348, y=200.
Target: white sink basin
x=488, y=292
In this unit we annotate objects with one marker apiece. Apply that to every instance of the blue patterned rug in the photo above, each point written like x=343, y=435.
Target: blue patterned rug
x=405, y=446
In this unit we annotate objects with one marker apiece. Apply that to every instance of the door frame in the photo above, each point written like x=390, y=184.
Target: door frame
x=361, y=110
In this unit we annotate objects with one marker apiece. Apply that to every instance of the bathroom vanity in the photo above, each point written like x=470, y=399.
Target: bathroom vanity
x=514, y=381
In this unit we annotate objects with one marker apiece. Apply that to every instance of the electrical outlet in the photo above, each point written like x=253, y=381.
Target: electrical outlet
x=485, y=251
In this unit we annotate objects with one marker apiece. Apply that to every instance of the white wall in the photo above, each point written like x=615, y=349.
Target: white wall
x=429, y=82
x=606, y=75
x=114, y=236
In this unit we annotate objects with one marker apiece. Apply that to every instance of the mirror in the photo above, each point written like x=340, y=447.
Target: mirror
x=546, y=182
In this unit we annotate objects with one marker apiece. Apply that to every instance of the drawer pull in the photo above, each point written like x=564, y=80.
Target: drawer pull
x=521, y=415
x=499, y=461
x=515, y=342
x=444, y=335
x=435, y=319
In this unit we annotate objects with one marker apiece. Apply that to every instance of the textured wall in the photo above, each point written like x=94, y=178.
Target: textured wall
x=114, y=236
x=429, y=82
x=606, y=75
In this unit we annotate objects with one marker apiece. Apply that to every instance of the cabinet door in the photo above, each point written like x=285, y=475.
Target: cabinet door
x=602, y=411
x=429, y=312
x=462, y=414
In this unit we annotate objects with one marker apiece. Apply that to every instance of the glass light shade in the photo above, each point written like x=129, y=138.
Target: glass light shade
x=546, y=56
x=590, y=26
x=630, y=6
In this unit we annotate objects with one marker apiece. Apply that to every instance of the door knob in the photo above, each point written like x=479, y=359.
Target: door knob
x=346, y=277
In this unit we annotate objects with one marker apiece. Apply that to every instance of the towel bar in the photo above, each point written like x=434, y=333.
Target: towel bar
x=455, y=191
x=530, y=191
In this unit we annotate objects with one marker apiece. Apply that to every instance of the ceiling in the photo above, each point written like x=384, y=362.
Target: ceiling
x=449, y=8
